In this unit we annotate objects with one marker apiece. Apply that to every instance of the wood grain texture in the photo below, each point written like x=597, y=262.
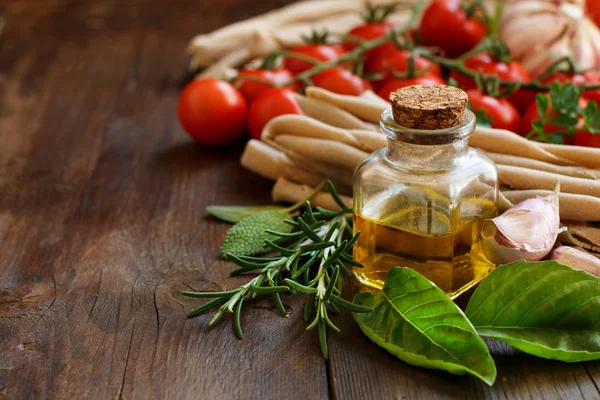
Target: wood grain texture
x=102, y=223
x=102, y=220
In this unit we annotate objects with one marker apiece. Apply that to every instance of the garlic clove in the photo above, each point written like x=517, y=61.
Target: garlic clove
x=526, y=231
x=577, y=259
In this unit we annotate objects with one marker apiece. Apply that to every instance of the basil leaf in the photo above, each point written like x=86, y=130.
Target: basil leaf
x=248, y=236
x=237, y=213
x=542, y=308
x=417, y=322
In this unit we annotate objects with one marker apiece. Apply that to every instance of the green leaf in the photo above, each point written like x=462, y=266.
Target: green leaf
x=565, y=97
x=542, y=308
x=416, y=321
x=248, y=236
x=543, y=102
x=237, y=213
x=591, y=116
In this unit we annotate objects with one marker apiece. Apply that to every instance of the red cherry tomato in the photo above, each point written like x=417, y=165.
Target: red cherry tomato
x=589, y=77
x=318, y=52
x=369, y=31
x=268, y=105
x=340, y=80
x=593, y=10
x=395, y=84
x=532, y=115
x=503, y=114
x=588, y=139
x=250, y=88
x=397, y=60
x=212, y=111
x=512, y=71
x=445, y=24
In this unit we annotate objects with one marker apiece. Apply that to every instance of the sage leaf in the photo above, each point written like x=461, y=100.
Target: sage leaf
x=235, y=214
x=417, y=322
x=248, y=236
x=542, y=308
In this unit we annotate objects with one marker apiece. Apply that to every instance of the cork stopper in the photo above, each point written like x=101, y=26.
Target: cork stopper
x=429, y=107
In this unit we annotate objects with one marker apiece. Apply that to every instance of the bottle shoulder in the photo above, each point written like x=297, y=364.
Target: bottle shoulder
x=475, y=162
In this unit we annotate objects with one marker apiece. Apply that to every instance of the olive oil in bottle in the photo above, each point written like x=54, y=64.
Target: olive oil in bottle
x=448, y=254
x=420, y=202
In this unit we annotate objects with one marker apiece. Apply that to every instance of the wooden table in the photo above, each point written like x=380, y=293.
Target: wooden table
x=102, y=223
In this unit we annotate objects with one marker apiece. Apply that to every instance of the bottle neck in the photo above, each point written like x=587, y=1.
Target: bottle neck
x=419, y=158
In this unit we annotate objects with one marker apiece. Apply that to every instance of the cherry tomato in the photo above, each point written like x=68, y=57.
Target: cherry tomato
x=268, y=105
x=397, y=60
x=503, y=114
x=250, y=88
x=532, y=115
x=588, y=139
x=445, y=24
x=340, y=80
x=589, y=77
x=512, y=71
x=593, y=10
x=212, y=111
x=318, y=52
x=395, y=84
x=369, y=31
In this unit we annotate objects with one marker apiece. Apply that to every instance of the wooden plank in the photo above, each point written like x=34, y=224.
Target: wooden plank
x=361, y=370
x=102, y=223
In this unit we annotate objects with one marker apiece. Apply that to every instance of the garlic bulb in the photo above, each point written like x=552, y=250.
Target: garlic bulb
x=577, y=259
x=526, y=231
x=538, y=32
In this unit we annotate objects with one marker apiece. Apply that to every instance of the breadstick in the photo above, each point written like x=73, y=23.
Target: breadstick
x=506, y=142
x=572, y=207
x=578, y=172
x=585, y=156
x=287, y=191
x=523, y=178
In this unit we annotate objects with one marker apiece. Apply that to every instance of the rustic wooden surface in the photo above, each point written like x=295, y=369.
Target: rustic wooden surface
x=102, y=222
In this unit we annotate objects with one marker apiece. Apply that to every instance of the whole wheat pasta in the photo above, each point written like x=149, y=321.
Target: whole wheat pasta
x=582, y=235
x=572, y=207
x=322, y=150
x=584, y=156
x=304, y=126
x=364, y=107
x=523, y=178
x=505, y=142
x=329, y=114
x=578, y=172
x=287, y=191
x=208, y=48
x=271, y=163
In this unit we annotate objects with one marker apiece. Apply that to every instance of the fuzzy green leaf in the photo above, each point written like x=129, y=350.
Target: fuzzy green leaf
x=248, y=236
x=416, y=321
x=235, y=214
x=542, y=308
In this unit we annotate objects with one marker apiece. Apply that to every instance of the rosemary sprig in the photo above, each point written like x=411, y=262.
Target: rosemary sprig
x=308, y=261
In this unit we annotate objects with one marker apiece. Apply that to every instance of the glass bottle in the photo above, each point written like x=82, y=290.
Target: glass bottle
x=420, y=202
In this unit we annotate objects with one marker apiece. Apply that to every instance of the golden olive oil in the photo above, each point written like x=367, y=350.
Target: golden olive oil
x=443, y=247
